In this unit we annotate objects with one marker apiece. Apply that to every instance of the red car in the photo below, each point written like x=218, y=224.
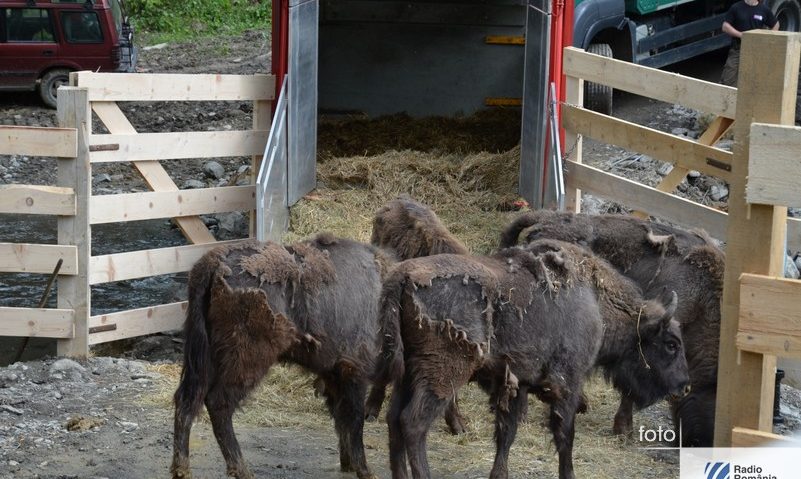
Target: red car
x=42, y=41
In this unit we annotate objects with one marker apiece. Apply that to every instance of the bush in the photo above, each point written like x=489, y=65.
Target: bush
x=190, y=18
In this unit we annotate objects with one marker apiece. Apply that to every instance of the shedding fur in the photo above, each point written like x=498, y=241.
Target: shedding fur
x=657, y=257
x=438, y=312
x=313, y=303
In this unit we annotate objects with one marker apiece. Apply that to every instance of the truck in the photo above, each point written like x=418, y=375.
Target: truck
x=657, y=33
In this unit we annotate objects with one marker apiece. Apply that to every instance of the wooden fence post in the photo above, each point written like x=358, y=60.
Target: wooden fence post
x=756, y=233
x=574, y=95
x=73, y=291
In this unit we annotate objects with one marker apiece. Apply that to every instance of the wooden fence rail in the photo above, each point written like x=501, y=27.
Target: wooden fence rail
x=759, y=310
x=78, y=209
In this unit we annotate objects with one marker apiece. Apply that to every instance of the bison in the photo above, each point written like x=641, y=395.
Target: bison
x=314, y=303
x=534, y=319
x=411, y=229
x=656, y=257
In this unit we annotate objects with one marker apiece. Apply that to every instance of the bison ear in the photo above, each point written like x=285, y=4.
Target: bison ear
x=671, y=302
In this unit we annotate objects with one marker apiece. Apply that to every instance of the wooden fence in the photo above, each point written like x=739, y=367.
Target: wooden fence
x=39, y=258
x=759, y=311
x=72, y=199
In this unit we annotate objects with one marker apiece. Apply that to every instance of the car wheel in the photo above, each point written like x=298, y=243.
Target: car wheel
x=788, y=12
x=50, y=83
x=598, y=97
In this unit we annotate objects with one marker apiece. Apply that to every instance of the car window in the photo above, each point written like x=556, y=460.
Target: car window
x=81, y=27
x=28, y=25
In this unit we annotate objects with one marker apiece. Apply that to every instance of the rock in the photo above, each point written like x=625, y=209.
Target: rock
x=81, y=423
x=680, y=131
x=67, y=367
x=243, y=169
x=7, y=378
x=212, y=169
x=193, y=184
x=725, y=144
x=128, y=426
x=797, y=261
x=157, y=46
x=136, y=367
x=11, y=409
x=13, y=463
x=790, y=269
x=146, y=376
x=718, y=193
x=694, y=174
x=664, y=169
x=232, y=225
x=100, y=178
x=794, y=212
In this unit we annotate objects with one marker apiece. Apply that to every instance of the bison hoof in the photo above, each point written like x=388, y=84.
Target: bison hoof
x=622, y=429
x=456, y=426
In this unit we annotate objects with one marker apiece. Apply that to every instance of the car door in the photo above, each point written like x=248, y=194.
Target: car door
x=86, y=39
x=28, y=45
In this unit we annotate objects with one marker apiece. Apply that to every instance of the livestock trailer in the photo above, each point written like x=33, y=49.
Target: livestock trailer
x=419, y=57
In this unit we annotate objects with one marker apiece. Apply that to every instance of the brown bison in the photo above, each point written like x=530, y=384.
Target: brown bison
x=411, y=229
x=313, y=303
x=656, y=257
x=525, y=320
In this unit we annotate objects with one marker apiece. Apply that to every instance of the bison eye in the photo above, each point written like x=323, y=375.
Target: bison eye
x=672, y=346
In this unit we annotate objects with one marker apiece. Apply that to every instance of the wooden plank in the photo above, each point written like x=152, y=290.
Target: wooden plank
x=744, y=437
x=774, y=161
x=175, y=87
x=657, y=84
x=755, y=239
x=177, y=145
x=574, y=95
x=169, y=204
x=769, y=319
x=138, y=322
x=654, y=143
x=37, y=200
x=73, y=291
x=37, y=258
x=38, y=141
x=635, y=195
x=714, y=132
x=36, y=322
x=152, y=262
x=153, y=173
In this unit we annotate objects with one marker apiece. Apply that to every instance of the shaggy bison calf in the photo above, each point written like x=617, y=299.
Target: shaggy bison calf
x=314, y=303
x=656, y=257
x=411, y=229
x=525, y=320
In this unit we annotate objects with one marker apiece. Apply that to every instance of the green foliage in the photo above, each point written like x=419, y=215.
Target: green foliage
x=192, y=18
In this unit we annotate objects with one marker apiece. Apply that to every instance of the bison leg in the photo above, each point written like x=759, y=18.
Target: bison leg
x=506, y=421
x=562, y=425
x=401, y=394
x=454, y=418
x=221, y=403
x=374, y=401
x=348, y=412
x=416, y=419
x=186, y=409
x=623, y=425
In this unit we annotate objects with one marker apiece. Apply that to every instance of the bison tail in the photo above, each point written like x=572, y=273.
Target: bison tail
x=194, y=382
x=510, y=235
x=390, y=365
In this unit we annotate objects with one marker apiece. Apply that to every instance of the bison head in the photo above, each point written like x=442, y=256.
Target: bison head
x=655, y=367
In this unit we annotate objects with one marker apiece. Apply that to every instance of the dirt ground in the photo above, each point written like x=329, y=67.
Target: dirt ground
x=112, y=418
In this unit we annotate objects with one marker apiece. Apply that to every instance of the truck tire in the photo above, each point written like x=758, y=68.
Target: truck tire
x=598, y=97
x=789, y=14
x=50, y=83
